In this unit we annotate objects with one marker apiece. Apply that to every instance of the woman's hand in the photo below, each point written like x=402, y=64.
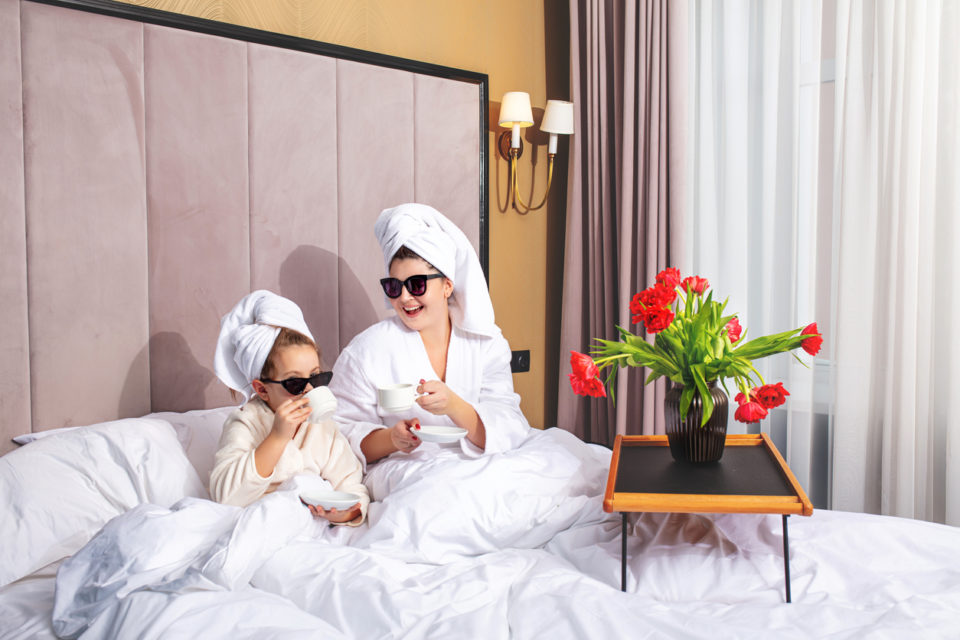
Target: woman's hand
x=289, y=416
x=403, y=435
x=440, y=400
x=437, y=398
x=380, y=443
x=335, y=516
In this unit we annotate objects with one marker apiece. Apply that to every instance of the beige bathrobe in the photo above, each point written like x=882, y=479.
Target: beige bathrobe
x=317, y=448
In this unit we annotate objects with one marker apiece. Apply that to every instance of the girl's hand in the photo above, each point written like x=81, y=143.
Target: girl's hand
x=290, y=415
x=335, y=516
x=403, y=435
x=436, y=397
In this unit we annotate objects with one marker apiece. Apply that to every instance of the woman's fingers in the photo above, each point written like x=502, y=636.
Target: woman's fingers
x=403, y=435
x=433, y=403
x=411, y=430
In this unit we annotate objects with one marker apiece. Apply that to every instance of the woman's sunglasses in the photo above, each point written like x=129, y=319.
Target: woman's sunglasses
x=295, y=386
x=416, y=285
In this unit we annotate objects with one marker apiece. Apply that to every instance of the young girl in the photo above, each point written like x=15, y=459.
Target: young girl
x=266, y=352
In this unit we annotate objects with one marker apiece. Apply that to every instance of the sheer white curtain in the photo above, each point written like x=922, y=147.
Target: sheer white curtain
x=752, y=225
x=826, y=186
x=897, y=214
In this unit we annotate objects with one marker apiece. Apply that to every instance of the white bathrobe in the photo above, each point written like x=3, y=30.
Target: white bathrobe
x=478, y=370
x=317, y=448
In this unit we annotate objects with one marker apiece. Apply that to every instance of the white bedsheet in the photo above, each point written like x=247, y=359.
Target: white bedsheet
x=508, y=546
x=25, y=606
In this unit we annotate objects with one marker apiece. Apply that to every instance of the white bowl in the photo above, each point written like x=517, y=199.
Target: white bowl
x=439, y=433
x=330, y=499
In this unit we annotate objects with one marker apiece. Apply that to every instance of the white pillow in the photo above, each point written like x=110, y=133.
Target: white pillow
x=27, y=438
x=57, y=492
x=199, y=433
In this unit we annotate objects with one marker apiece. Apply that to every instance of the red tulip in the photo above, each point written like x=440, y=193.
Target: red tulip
x=669, y=277
x=592, y=387
x=636, y=308
x=657, y=319
x=750, y=412
x=584, y=380
x=770, y=395
x=734, y=330
x=812, y=344
x=695, y=284
x=657, y=296
x=583, y=365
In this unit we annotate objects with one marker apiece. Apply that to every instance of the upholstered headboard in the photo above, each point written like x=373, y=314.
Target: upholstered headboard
x=156, y=168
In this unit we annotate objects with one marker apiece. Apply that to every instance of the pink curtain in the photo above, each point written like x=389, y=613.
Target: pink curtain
x=625, y=192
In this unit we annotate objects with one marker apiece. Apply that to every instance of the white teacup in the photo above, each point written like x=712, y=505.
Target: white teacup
x=396, y=397
x=322, y=402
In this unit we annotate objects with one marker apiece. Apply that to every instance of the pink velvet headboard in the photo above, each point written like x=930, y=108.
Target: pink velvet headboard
x=152, y=175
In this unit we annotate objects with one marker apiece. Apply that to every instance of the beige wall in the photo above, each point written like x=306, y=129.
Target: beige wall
x=511, y=41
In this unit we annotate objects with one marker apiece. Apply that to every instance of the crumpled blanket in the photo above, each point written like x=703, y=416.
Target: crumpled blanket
x=514, y=545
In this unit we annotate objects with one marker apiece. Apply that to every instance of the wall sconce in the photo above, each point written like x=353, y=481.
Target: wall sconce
x=516, y=114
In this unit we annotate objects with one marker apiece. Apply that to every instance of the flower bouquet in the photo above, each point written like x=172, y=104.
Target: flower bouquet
x=695, y=345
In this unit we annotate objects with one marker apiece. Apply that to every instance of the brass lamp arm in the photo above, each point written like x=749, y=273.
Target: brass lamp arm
x=516, y=190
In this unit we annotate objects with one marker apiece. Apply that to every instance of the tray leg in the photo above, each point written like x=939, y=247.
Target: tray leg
x=786, y=557
x=623, y=552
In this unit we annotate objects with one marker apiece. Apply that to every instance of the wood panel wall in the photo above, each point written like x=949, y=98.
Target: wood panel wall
x=157, y=175
x=521, y=45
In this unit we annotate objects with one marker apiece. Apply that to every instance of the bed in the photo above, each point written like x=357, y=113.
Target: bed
x=156, y=168
x=512, y=546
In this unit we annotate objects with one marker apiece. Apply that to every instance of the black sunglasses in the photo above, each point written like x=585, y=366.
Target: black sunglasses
x=416, y=285
x=295, y=386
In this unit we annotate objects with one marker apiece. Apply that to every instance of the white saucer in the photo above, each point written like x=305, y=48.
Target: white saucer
x=438, y=433
x=330, y=499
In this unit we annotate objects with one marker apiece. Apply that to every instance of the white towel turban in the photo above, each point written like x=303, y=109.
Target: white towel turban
x=440, y=242
x=247, y=335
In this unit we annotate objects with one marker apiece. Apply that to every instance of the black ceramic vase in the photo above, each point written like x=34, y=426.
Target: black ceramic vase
x=689, y=442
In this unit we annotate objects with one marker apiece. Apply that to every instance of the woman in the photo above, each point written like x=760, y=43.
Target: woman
x=443, y=338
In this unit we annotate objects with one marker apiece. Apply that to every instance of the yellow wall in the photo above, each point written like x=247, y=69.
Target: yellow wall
x=511, y=41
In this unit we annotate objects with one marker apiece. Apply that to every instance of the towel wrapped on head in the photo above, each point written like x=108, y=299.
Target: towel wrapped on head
x=247, y=334
x=436, y=239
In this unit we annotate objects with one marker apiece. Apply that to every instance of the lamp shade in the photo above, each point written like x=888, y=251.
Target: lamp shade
x=515, y=109
x=557, y=117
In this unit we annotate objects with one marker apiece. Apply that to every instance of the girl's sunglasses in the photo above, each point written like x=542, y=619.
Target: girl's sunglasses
x=416, y=285
x=295, y=386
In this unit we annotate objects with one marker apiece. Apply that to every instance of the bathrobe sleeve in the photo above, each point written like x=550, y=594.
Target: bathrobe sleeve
x=497, y=404
x=356, y=401
x=342, y=469
x=234, y=479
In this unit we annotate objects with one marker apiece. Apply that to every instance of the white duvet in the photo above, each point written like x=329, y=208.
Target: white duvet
x=514, y=545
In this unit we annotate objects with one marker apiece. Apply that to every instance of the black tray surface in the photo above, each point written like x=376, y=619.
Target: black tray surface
x=743, y=470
